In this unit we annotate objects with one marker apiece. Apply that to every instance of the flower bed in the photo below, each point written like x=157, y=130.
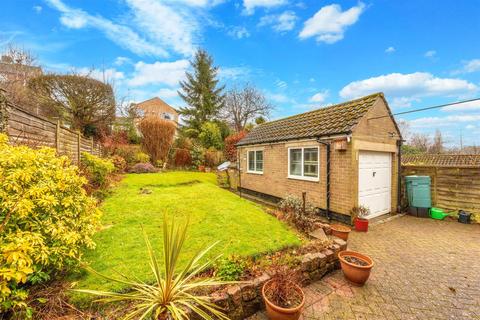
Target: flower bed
x=243, y=300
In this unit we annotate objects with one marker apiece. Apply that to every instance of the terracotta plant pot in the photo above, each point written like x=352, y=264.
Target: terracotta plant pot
x=201, y=168
x=356, y=274
x=275, y=312
x=361, y=224
x=340, y=231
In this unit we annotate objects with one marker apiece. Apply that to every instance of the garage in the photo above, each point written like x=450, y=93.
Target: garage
x=374, y=182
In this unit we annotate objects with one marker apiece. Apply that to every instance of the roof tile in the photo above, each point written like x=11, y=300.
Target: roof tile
x=336, y=119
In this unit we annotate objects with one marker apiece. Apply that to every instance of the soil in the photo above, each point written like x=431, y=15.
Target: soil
x=356, y=261
x=292, y=298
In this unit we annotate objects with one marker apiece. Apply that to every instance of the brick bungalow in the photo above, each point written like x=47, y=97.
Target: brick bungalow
x=341, y=156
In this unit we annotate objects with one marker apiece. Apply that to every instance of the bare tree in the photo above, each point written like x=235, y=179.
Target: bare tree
x=84, y=103
x=420, y=141
x=244, y=105
x=404, y=127
x=437, y=145
x=17, y=66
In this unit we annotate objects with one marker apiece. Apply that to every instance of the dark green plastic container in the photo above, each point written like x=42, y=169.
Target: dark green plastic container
x=418, y=191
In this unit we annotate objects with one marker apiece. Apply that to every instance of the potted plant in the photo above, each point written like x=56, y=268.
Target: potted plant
x=359, y=215
x=284, y=299
x=355, y=266
x=340, y=231
x=201, y=168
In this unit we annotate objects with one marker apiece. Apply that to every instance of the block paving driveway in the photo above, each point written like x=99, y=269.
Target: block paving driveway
x=424, y=269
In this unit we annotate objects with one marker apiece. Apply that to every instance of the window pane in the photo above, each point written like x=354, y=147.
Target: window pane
x=296, y=162
x=251, y=160
x=310, y=163
x=259, y=158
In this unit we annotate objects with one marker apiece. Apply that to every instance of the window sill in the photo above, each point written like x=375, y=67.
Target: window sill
x=311, y=179
x=255, y=172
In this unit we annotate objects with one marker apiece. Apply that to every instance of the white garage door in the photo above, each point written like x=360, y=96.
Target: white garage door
x=374, y=182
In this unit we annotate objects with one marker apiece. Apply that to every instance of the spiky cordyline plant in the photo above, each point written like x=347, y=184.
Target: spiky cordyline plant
x=173, y=293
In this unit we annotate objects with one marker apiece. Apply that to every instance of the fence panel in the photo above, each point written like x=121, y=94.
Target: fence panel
x=23, y=127
x=453, y=188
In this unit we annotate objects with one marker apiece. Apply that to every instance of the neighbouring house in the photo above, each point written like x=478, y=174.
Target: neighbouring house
x=158, y=107
x=10, y=71
x=341, y=156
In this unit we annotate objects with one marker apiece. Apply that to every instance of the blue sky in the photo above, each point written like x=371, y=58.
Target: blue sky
x=301, y=54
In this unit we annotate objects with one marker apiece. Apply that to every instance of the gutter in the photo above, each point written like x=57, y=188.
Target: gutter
x=399, y=178
x=327, y=145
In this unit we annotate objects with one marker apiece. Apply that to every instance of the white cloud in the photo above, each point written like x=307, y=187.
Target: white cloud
x=37, y=9
x=452, y=120
x=120, y=61
x=330, y=23
x=281, y=22
x=311, y=79
x=233, y=72
x=469, y=66
x=320, y=97
x=154, y=28
x=470, y=127
x=171, y=27
x=281, y=84
x=122, y=35
x=278, y=97
x=466, y=106
x=197, y=3
x=250, y=5
x=390, y=50
x=168, y=73
x=430, y=54
x=105, y=75
x=167, y=93
x=238, y=32
x=410, y=86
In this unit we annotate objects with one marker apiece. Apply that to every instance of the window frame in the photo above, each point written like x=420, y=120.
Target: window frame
x=302, y=176
x=255, y=161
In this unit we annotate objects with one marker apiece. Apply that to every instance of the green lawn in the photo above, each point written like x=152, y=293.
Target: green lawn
x=241, y=226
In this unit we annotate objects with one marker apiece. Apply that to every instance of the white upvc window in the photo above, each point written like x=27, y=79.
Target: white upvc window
x=255, y=161
x=304, y=163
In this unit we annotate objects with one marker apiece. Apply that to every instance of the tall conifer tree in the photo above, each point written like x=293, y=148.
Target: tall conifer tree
x=201, y=93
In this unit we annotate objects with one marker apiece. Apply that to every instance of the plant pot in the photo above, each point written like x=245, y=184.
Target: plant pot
x=201, y=168
x=340, y=231
x=356, y=274
x=275, y=312
x=361, y=224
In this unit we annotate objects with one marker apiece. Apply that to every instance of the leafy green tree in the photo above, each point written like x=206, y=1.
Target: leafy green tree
x=211, y=136
x=202, y=94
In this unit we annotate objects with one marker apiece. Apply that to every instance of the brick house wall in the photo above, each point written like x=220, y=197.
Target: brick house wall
x=369, y=135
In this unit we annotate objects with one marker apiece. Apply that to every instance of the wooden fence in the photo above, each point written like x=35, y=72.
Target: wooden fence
x=455, y=180
x=23, y=127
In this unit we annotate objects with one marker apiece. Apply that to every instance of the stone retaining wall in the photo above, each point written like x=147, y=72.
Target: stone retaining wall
x=243, y=300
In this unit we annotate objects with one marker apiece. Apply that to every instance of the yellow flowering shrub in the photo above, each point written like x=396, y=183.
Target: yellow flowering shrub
x=46, y=218
x=96, y=169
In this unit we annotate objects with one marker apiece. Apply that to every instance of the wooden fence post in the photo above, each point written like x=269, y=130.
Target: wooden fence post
x=79, y=137
x=57, y=137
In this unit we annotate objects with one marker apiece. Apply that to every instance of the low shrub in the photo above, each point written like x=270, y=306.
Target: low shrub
x=230, y=269
x=141, y=157
x=293, y=207
x=128, y=152
x=119, y=163
x=213, y=157
x=96, y=169
x=46, y=220
x=143, y=168
x=230, y=149
x=182, y=158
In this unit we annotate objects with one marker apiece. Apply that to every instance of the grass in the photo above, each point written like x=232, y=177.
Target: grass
x=242, y=227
